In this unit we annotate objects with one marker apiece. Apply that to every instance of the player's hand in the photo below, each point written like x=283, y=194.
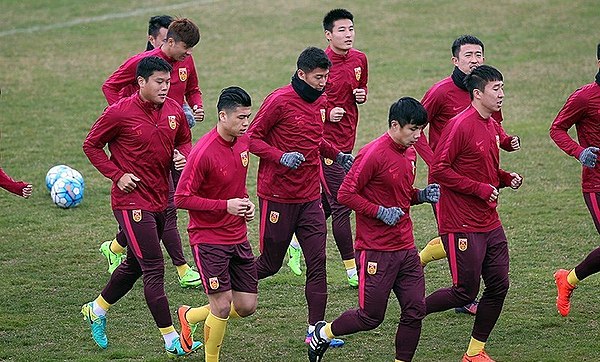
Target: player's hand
x=494, y=195
x=345, y=160
x=27, y=190
x=127, y=182
x=251, y=211
x=238, y=207
x=389, y=215
x=179, y=160
x=430, y=194
x=588, y=157
x=292, y=159
x=360, y=95
x=198, y=113
x=515, y=143
x=336, y=114
x=516, y=181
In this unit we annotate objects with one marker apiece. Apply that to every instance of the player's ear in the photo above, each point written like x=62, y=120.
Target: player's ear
x=328, y=35
x=141, y=81
x=301, y=74
x=222, y=116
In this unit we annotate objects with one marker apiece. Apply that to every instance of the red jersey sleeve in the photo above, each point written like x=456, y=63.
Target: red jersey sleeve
x=267, y=117
x=193, y=94
x=451, y=142
x=121, y=78
x=7, y=183
x=424, y=150
x=183, y=138
x=191, y=178
x=349, y=193
x=574, y=110
x=364, y=79
x=104, y=130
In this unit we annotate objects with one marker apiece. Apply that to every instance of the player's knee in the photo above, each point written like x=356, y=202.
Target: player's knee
x=246, y=309
x=466, y=292
x=371, y=321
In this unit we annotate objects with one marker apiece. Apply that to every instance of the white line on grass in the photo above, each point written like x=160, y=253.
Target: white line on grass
x=94, y=19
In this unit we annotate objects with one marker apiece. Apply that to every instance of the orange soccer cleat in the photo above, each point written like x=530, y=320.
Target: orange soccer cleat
x=565, y=290
x=479, y=357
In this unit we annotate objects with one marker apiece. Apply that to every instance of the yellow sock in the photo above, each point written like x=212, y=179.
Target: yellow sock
x=475, y=347
x=116, y=247
x=328, y=331
x=214, y=331
x=168, y=334
x=434, y=250
x=572, y=278
x=181, y=269
x=199, y=314
x=102, y=303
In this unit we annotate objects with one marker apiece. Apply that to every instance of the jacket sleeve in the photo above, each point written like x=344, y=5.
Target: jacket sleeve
x=104, y=130
x=350, y=191
x=191, y=178
x=266, y=118
x=574, y=110
x=120, y=79
x=7, y=183
x=193, y=94
x=449, y=147
x=183, y=138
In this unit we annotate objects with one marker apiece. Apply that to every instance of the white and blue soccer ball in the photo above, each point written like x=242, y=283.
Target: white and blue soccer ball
x=67, y=192
x=54, y=174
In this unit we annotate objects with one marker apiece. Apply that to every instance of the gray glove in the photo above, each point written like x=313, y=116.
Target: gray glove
x=292, y=159
x=345, y=160
x=430, y=194
x=389, y=215
x=189, y=115
x=588, y=157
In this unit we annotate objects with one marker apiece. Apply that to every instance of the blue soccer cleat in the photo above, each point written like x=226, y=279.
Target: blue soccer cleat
x=97, y=325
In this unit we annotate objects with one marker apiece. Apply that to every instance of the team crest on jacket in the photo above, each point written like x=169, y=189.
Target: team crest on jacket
x=371, y=268
x=136, y=215
x=214, y=283
x=172, y=122
x=183, y=74
x=323, y=115
x=462, y=244
x=244, y=156
x=274, y=217
x=357, y=73
x=328, y=161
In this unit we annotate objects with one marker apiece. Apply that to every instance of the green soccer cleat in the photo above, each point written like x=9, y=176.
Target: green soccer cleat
x=114, y=259
x=191, y=279
x=294, y=260
x=353, y=281
x=176, y=350
x=97, y=325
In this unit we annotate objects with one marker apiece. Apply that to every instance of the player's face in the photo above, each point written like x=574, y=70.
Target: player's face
x=469, y=57
x=492, y=96
x=407, y=135
x=235, y=122
x=160, y=38
x=155, y=89
x=315, y=78
x=341, y=37
x=177, y=50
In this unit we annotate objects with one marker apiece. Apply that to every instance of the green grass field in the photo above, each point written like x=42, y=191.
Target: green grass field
x=54, y=56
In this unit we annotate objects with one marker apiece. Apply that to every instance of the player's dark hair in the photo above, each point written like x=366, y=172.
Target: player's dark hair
x=156, y=23
x=480, y=77
x=184, y=30
x=312, y=58
x=407, y=110
x=233, y=97
x=463, y=40
x=598, y=52
x=148, y=65
x=336, y=14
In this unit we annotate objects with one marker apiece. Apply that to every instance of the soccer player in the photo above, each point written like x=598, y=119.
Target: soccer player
x=379, y=187
x=143, y=133
x=346, y=88
x=181, y=37
x=444, y=100
x=213, y=188
x=582, y=109
x=287, y=135
x=23, y=189
x=466, y=165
